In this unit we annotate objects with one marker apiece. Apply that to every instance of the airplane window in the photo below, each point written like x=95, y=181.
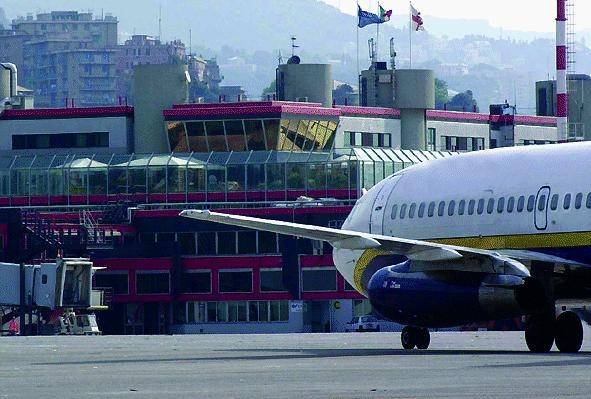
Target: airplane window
x=491, y=206
x=531, y=202
x=501, y=205
x=554, y=202
x=461, y=207
x=542, y=202
x=510, y=204
x=566, y=203
x=471, y=205
x=403, y=211
x=452, y=208
x=394, y=211
x=441, y=208
x=412, y=210
x=588, y=201
x=480, y=206
x=422, y=210
x=520, y=203
x=578, y=200
x=431, y=211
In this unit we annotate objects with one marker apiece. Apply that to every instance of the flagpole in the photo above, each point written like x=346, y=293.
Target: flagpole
x=358, y=71
x=410, y=31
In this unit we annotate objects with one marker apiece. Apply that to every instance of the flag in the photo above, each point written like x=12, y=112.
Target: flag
x=367, y=18
x=385, y=15
x=417, y=20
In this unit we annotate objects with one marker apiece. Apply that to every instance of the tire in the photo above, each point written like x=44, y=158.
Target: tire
x=569, y=332
x=539, y=333
x=423, y=338
x=408, y=338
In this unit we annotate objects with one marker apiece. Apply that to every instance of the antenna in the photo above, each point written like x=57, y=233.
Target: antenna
x=392, y=54
x=293, y=45
x=372, y=50
x=160, y=23
x=190, y=42
x=280, y=58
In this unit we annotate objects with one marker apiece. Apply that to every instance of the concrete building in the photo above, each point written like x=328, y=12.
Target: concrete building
x=144, y=50
x=65, y=55
x=579, y=93
x=305, y=83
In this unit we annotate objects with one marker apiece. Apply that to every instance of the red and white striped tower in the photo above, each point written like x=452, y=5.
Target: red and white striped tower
x=561, y=61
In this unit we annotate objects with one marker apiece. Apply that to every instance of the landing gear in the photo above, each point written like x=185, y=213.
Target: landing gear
x=541, y=331
x=412, y=337
x=569, y=332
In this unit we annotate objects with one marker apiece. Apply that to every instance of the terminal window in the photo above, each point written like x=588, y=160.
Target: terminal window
x=364, y=139
x=196, y=282
x=235, y=281
x=118, y=282
x=60, y=140
x=319, y=279
x=272, y=280
x=153, y=283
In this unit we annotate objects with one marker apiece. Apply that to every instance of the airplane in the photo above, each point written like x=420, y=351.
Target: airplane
x=478, y=236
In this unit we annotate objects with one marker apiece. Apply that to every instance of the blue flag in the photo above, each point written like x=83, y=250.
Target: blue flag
x=367, y=18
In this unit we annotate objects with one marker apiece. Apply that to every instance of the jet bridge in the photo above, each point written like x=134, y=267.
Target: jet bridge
x=66, y=283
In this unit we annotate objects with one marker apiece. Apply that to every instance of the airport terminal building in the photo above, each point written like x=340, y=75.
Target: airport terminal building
x=109, y=182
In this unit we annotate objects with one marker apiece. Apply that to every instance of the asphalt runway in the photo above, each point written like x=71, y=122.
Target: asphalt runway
x=355, y=365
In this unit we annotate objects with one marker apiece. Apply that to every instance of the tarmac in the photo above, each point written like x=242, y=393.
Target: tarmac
x=354, y=365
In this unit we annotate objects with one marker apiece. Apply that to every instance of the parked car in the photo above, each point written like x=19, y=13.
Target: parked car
x=363, y=323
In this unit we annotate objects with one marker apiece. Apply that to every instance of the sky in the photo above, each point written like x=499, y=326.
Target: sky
x=522, y=15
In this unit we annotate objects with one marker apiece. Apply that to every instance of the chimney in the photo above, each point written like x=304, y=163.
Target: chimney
x=561, y=78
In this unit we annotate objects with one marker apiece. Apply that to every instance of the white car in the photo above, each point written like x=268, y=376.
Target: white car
x=363, y=323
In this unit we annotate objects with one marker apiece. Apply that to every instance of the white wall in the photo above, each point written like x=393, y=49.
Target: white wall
x=116, y=126
x=524, y=132
x=368, y=125
x=459, y=129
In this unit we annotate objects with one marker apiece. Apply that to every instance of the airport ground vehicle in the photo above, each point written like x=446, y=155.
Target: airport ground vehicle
x=430, y=250
x=363, y=323
x=72, y=324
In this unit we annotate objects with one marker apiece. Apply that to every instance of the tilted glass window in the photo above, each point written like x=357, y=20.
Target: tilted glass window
x=255, y=135
x=412, y=210
x=215, y=136
x=510, y=204
x=421, y=210
x=501, y=205
x=394, y=211
x=177, y=137
x=431, y=210
x=471, y=205
x=520, y=203
x=542, y=202
x=531, y=203
x=480, y=206
x=403, y=211
x=451, y=209
x=566, y=203
x=461, y=207
x=554, y=202
x=235, y=135
x=441, y=208
x=578, y=200
x=196, y=133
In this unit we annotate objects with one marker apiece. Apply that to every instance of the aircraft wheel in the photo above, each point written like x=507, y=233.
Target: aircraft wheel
x=569, y=332
x=408, y=337
x=539, y=333
x=423, y=338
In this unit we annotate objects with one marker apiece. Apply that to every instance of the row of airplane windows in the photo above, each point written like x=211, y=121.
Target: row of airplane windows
x=501, y=205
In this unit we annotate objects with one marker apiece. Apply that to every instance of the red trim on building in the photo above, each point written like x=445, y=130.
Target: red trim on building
x=66, y=113
x=133, y=264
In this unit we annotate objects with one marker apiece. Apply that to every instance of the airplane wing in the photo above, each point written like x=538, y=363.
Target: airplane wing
x=430, y=256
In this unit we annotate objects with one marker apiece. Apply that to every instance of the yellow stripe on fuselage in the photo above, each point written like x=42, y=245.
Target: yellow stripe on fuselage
x=521, y=241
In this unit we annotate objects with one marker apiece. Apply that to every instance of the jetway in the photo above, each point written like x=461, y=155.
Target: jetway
x=65, y=283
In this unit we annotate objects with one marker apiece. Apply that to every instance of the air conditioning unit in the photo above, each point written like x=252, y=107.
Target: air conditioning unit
x=302, y=99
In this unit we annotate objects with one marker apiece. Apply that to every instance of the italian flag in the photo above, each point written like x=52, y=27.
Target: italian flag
x=385, y=15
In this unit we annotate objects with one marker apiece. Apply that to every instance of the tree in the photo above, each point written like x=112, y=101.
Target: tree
x=269, y=90
x=463, y=102
x=441, y=95
x=341, y=94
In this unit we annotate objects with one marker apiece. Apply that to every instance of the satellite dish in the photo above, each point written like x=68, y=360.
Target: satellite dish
x=294, y=59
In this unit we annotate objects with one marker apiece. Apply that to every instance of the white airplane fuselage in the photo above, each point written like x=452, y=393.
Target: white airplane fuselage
x=535, y=198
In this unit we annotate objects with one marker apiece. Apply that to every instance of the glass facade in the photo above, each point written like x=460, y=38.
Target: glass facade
x=251, y=135
x=196, y=177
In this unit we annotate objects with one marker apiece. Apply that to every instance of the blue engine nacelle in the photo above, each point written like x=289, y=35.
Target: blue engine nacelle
x=450, y=298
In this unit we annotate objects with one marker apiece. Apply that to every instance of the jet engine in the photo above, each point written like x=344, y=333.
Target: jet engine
x=444, y=298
